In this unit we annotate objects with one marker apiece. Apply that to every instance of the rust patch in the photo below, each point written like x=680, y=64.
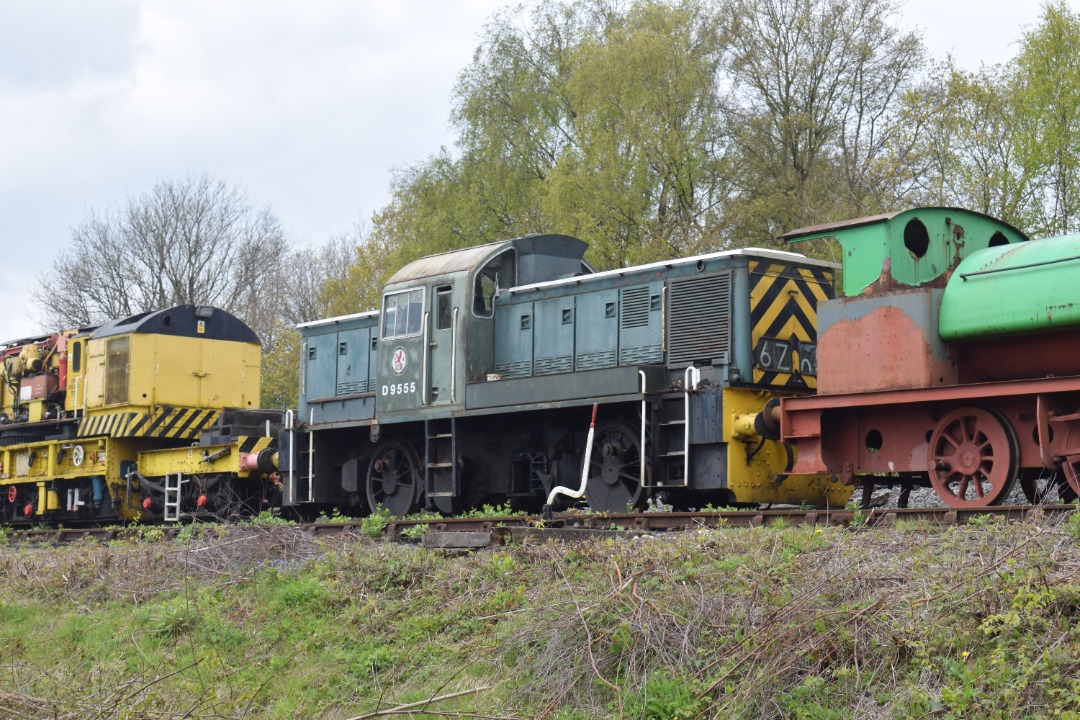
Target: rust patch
x=883, y=350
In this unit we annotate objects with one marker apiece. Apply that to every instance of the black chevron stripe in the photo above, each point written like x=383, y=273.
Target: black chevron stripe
x=153, y=427
x=766, y=301
x=182, y=428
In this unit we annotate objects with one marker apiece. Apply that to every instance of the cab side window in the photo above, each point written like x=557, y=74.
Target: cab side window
x=403, y=313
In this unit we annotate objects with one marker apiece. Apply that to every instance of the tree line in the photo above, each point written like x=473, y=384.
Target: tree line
x=651, y=129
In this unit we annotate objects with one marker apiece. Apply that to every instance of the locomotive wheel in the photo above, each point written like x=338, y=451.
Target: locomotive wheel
x=973, y=458
x=393, y=479
x=1068, y=465
x=614, y=484
x=1039, y=489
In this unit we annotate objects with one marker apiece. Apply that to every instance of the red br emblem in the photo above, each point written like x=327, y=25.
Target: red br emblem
x=399, y=360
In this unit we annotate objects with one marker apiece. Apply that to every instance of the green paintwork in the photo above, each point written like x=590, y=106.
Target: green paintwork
x=875, y=247
x=1031, y=288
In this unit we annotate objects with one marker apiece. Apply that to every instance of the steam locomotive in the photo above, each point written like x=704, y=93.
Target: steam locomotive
x=951, y=362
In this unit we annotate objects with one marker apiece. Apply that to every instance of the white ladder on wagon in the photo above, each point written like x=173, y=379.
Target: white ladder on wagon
x=173, y=483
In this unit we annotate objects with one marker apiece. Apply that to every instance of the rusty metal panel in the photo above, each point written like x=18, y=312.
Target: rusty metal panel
x=870, y=344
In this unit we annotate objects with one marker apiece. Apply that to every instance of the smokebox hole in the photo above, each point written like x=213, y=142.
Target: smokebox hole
x=874, y=441
x=916, y=238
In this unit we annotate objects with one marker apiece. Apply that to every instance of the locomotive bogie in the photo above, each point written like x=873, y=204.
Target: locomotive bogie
x=64, y=480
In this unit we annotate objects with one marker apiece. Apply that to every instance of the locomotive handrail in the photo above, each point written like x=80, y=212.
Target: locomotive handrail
x=453, y=357
x=691, y=378
x=965, y=276
x=424, y=369
x=311, y=459
x=290, y=427
x=641, y=452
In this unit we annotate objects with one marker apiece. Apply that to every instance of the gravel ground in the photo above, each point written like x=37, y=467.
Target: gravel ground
x=927, y=497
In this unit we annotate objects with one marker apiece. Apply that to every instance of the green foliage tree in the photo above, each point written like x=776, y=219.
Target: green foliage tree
x=591, y=118
x=1046, y=85
x=656, y=129
x=1004, y=140
x=814, y=110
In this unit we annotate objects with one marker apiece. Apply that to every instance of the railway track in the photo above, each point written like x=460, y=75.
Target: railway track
x=471, y=533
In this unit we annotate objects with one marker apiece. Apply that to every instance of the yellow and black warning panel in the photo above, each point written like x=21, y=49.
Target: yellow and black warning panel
x=167, y=422
x=783, y=317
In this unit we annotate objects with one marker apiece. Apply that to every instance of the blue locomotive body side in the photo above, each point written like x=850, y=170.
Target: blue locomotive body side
x=475, y=379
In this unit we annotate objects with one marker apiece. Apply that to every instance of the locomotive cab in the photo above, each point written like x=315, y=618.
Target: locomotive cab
x=438, y=318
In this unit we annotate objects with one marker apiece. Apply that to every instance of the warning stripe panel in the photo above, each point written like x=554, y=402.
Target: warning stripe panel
x=168, y=422
x=783, y=317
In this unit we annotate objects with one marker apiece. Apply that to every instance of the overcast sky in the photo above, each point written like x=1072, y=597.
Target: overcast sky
x=307, y=105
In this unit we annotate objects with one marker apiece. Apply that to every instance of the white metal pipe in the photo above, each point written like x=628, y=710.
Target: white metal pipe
x=569, y=492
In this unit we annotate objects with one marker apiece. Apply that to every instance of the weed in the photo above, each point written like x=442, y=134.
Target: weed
x=414, y=532
x=491, y=511
x=1073, y=525
x=374, y=524
x=335, y=516
x=672, y=697
x=270, y=516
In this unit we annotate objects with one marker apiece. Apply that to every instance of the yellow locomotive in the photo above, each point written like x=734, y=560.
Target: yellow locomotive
x=149, y=417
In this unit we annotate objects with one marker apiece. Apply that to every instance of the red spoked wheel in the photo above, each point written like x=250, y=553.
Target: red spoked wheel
x=973, y=458
x=1068, y=463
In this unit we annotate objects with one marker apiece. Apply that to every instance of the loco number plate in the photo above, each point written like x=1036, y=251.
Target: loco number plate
x=786, y=356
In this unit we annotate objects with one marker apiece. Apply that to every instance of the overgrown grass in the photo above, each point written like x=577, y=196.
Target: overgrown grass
x=780, y=622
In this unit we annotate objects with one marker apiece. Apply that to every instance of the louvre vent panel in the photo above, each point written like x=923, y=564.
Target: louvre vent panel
x=635, y=307
x=640, y=355
x=546, y=366
x=599, y=359
x=700, y=322
x=352, y=388
x=514, y=369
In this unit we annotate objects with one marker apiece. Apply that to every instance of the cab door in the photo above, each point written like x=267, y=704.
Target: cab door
x=402, y=351
x=442, y=347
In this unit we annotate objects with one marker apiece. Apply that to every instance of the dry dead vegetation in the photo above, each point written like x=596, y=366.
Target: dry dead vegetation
x=913, y=621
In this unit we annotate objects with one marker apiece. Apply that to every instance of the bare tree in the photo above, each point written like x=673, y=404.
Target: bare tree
x=190, y=241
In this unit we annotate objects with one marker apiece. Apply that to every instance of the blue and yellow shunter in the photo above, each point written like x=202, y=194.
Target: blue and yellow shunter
x=475, y=382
